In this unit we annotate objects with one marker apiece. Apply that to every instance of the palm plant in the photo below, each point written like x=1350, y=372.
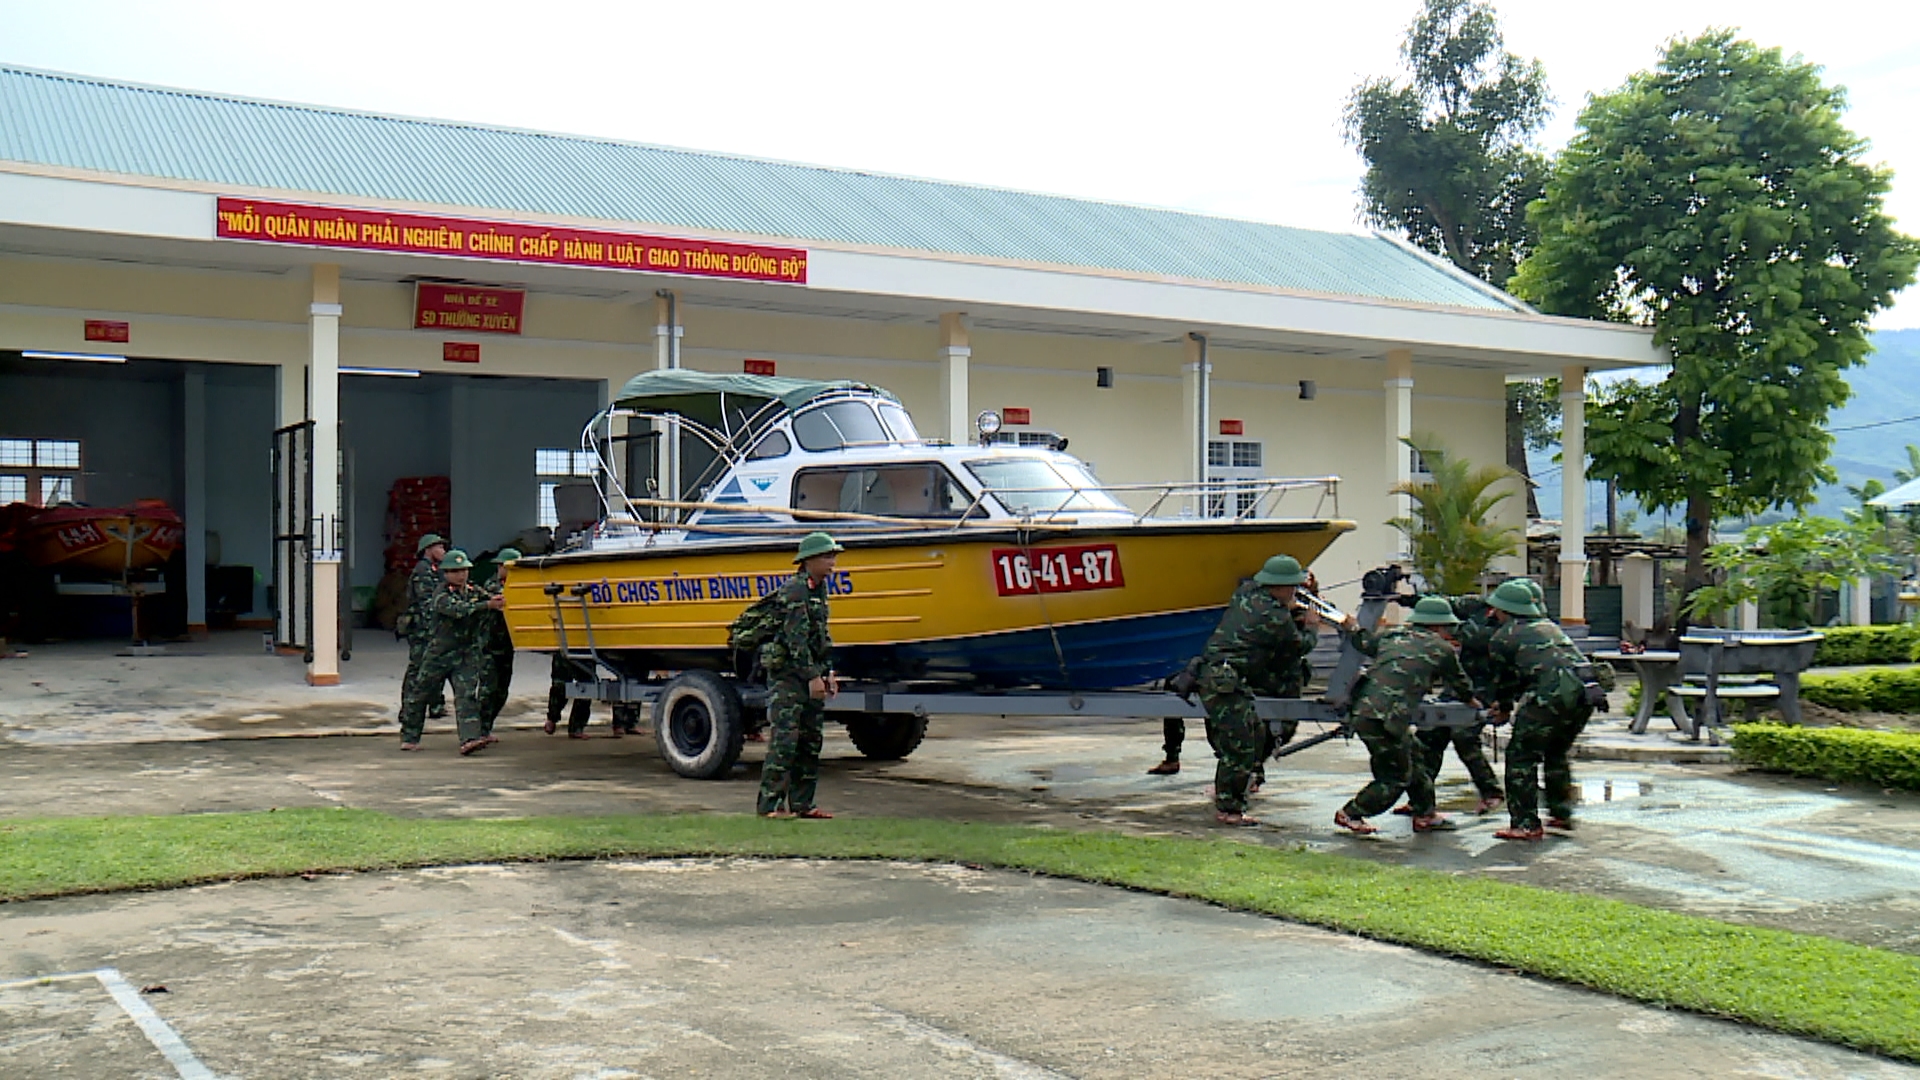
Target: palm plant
x=1912, y=472
x=1449, y=531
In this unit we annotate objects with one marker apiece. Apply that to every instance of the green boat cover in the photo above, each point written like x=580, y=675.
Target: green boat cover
x=713, y=399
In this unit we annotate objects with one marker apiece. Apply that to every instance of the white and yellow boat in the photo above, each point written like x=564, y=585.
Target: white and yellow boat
x=988, y=565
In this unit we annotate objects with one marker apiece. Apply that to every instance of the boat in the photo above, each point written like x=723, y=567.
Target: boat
x=97, y=541
x=989, y=565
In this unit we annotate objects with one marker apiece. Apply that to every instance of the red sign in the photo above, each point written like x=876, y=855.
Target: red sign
x=758, y=367
x=467, y=307
x=1016, y=415
x=472, y=238
x=1233, y=427
x=460, y=352
x=102, y=330
x=1071, y=568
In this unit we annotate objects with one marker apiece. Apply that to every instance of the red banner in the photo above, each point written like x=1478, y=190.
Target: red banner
x=421, y=234
x=1233, y=427
x=759, y=367
x=467, y=307
x=103, y=330
x=459, y=352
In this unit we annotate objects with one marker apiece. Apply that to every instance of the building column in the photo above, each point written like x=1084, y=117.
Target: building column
x=323, y=367
x=666, y=356
x=1573, y=497
x=193, y=410
x=955, y=355
x=1399, y=426
x=1196, y=390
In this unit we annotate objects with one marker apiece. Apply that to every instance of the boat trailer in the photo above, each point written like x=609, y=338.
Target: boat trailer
x=701, y=718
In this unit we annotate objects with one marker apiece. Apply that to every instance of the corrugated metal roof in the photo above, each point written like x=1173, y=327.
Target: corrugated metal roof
x=93, y=124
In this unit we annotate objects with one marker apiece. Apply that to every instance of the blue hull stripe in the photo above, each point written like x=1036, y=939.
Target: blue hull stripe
x=1099, y=656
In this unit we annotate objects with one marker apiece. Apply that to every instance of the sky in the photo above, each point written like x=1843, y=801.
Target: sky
x=1222, y=108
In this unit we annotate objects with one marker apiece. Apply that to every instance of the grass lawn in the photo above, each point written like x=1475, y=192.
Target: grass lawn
x=1843, y=993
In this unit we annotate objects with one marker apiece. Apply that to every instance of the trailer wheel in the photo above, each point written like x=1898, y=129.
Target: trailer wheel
x=696, y=724
x=886, y=736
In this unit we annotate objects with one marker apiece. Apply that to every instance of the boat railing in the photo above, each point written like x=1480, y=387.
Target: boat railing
x=1237, y=500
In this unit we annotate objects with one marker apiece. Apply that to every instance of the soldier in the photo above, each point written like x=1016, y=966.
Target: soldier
x=565, y=670
x=1474, y=634
x=458, y=652
x=493, y=697
x=1260, y=638
x=1543, y=682
x=799, y=666
x=1408, y=661
x=416, y=623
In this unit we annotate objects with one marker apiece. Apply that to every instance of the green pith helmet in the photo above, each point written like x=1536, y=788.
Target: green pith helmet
x=507, y=555
x=1281, y=570
x=1534, y=590
x=1433, y=611
x=1514, y=598
x=456, y=560
x=817, y=543
x=428, y=541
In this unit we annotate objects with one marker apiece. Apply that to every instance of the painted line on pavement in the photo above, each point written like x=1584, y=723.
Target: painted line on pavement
x=158, y=1031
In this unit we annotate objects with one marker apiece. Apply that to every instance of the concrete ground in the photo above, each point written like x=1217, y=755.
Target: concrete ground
x=734, y=968
x=673, y=968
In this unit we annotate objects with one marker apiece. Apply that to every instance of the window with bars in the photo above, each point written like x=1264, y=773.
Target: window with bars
x=39, y=472
x=553, y=468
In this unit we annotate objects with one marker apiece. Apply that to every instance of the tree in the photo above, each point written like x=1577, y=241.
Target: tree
x=1785, y=565
x=1449, y=530
x=1912, y=472
x=1719, y=199
x=1451, y=166
x=1867, y=491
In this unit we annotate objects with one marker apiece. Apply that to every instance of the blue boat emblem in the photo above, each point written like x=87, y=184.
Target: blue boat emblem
x=761, y=483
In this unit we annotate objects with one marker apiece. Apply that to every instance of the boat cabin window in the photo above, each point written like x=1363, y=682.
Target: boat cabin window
x=1041, y=486
x=899, y=422
x=776, y=444
x=917, y=490
x=841, y=423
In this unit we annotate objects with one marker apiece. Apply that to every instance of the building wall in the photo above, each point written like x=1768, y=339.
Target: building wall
x=240, y=403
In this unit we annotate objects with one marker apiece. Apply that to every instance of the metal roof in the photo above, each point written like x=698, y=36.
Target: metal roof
x=97, y=125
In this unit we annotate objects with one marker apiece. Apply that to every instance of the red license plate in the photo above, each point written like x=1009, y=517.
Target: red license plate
x=1072, y=568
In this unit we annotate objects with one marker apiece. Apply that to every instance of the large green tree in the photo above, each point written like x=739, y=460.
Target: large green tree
x=1451, y=165
x=1720, y=200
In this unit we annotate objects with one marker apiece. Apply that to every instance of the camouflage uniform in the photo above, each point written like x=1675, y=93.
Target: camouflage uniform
x=457, y=652
x=800, y=653
x=498, y=668
x=1408, y=662
x=418, y=628
x=1475, y=634
x=1256, y=639
x=1534, y=674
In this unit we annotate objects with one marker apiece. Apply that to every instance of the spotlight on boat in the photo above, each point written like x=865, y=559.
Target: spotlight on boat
x=988, y=423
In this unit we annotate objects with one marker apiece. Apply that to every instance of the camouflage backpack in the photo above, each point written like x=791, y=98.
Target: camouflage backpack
x=759, y=624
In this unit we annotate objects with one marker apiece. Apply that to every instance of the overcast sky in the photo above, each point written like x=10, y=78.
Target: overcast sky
x=1223, y=108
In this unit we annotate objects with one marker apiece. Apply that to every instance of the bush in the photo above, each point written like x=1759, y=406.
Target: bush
x=1843, y=755
x=1847, y=645
x=1885, y=690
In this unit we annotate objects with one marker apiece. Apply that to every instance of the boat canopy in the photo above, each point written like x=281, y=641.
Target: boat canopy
x=713, y=399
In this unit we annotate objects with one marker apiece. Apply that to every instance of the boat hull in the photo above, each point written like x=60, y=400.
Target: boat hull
x=101, y=541
x=1072, y=608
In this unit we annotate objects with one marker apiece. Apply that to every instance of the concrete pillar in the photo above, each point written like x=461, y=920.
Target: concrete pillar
x=193, y=422
x=955, y=356
x=1636, y=596
x=1573, y=496
x=461, y=476
x=1196, y=388
x=323, y=365
x=1862, y=606
x=1749, y=615
x=1398, y=426
x=666, y=338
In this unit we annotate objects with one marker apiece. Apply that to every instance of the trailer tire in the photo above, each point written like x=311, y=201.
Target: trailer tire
x=886, y=736
x=697, y=725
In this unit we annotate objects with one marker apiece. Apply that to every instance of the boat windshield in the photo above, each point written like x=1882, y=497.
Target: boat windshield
x=1040, y=486
x=838, y=424
x=899, y=422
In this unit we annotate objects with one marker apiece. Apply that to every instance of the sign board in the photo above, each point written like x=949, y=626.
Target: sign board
x=102, y=330
x=1014, y=414
x=476, y=238
x=759, y=367
x=1233, y=427
x=460, y=352
x=467, y=308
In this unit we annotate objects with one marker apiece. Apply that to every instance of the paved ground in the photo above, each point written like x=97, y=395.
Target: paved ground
x=727, y=968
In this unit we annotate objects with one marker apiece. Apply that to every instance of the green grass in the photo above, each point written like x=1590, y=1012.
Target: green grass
x=1848, y=994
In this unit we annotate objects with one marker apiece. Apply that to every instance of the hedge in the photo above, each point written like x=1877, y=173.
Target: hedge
x=1883, y=690
x=1844, y=755
x=1843, y=646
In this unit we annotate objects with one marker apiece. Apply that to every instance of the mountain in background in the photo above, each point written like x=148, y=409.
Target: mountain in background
x=1885, y=388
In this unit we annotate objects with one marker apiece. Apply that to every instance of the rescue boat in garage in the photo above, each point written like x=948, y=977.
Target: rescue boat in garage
x=993, y=564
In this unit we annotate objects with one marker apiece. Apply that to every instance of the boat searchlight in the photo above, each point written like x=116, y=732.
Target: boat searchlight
x=988, y=423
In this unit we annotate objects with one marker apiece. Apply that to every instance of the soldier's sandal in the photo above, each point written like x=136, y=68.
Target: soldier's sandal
x=1354, y=825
